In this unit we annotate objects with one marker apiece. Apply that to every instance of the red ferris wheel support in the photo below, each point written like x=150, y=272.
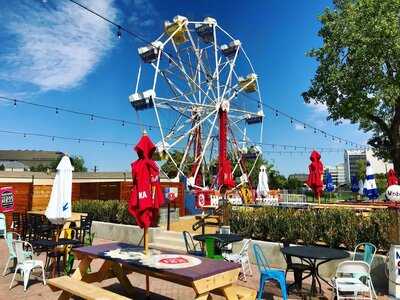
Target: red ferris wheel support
x=225, y=177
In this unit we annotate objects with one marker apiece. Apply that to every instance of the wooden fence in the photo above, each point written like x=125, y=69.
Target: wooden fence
x=28, y=196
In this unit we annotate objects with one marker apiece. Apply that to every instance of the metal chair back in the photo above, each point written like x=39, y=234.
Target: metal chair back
x=20, y=253
x=245, y=248
x=262, y=262
x=10, y=246
x=3, y=229
x=352, y=267
x=189, y=243
x=368, y=254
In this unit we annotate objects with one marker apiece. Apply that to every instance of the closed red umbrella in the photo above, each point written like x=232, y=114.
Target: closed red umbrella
x=146, y=195
x=392, y=178
x=316, y=170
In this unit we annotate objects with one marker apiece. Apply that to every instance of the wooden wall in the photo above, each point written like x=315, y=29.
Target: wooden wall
x=22, y=198
x=36, y=197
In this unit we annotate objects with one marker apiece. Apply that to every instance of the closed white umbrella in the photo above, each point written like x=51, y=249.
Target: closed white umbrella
x=59, y=208
x=262, y=186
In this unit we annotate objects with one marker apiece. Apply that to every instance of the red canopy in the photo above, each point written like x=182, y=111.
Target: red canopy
x=316, y=170
x=146, y=195
x=392, y=178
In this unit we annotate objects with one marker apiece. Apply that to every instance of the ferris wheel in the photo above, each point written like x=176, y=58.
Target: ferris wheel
x=195, y=81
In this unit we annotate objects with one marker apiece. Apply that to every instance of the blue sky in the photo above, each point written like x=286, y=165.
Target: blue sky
x=54, y=53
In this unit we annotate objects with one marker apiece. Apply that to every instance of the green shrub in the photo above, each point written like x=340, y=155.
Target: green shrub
x=112, y=211
x=337, y=228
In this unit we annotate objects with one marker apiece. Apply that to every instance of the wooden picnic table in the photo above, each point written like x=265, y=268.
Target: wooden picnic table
x=210, y=276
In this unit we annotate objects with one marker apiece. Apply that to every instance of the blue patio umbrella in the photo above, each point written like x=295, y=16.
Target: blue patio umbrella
x=329, y=186
x=354, y=184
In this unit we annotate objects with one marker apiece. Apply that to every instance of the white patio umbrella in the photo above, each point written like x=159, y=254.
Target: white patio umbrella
x=262, y=186
x=59, y=207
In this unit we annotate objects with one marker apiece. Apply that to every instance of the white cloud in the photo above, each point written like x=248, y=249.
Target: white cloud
x=53, y=45
x=318, y=108
x=298, y=126
x=142, y=14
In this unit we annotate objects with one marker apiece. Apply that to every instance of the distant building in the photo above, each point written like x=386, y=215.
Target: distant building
x=30, y=158
x=351, y=158
x=338, y=174
x=13, y=166
x=299, y=176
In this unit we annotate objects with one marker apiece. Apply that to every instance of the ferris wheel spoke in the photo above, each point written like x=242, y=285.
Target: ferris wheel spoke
x=175, y=89
x=206, y=145
x=194, y=127
x=198, y=55
x=182, y=68
x=189, y=78
x=231, y=65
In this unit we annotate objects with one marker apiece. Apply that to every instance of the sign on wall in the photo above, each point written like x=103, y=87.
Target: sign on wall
x=7, y=199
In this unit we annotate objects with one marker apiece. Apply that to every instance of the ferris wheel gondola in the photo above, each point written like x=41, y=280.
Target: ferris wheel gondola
x=193, y=80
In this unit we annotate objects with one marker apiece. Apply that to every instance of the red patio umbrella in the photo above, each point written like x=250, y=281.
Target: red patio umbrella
x=316, y=170
x=146, y=195
x=392, y=178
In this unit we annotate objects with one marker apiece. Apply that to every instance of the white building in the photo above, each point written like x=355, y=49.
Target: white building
x=338, y=174
x=13, y=166
x=351, y=157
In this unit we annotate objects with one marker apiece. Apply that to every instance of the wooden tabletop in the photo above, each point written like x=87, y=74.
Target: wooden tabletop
x=207, y=268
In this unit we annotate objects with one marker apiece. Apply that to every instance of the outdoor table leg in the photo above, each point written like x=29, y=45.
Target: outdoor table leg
x=147, y=285
x=319, y=276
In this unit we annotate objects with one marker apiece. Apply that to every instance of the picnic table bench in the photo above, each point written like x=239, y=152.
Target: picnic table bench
x=211, y=276
x=82, y=289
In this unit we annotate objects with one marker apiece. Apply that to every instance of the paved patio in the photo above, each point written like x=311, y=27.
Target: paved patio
x=160, y=289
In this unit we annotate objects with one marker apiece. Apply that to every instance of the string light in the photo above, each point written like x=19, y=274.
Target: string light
x=139, y=37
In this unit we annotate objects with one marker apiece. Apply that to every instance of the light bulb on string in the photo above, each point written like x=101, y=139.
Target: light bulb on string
x=123, y=123
x=304, y=126
x=276, y=113
x=91, y=117
x=56, y=110
x=291, y=121
x=103, y=143
x=119, y=32
x=315, y=130
x=52, y=139
x=15, y=102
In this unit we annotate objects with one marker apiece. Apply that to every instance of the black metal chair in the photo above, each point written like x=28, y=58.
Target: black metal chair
x=191, y=247
x=297, y=268
x=85, y=230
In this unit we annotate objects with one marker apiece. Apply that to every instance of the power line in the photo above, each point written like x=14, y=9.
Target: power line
x=273, y=109
x=123, y=122
x=57, y=110
x=104, y=142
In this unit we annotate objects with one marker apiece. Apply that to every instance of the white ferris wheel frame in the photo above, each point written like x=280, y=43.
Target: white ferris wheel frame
x=215, y=100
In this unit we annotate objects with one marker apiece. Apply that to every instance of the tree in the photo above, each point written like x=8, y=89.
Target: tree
x=293, y=184
x=2, y=167
x=76, y=161
x=361, y=168
x=358, y=73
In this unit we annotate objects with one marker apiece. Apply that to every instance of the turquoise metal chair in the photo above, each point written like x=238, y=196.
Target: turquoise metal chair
x=267, y=273
x=10, y=236
x=366, y=256
x=3, y=230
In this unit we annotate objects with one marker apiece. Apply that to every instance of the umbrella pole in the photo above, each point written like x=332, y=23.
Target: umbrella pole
x=146, y=241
